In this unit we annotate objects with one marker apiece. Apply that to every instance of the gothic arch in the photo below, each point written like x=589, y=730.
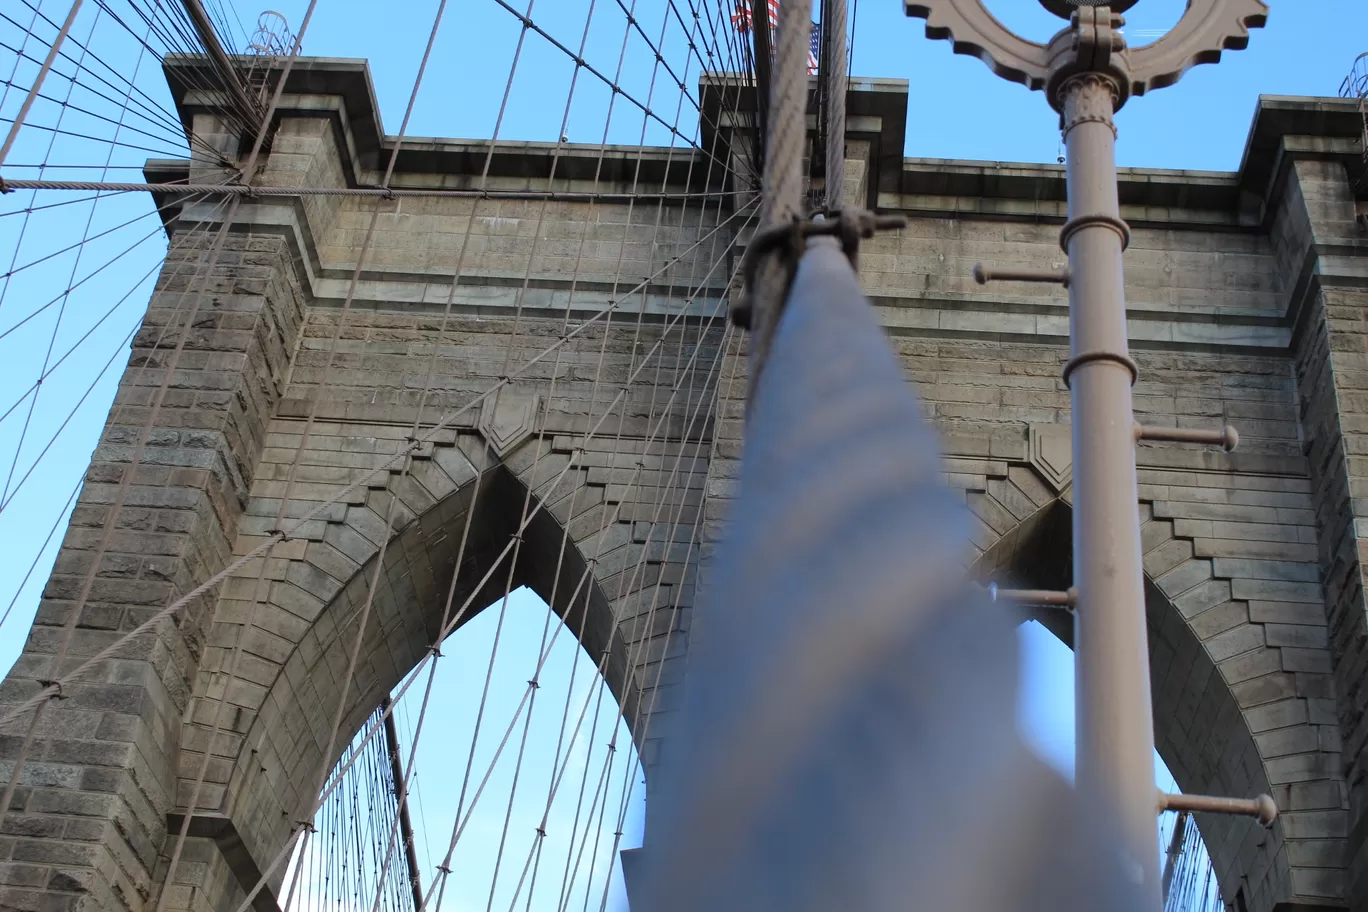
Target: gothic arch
x=1230, y=716
x=620, y=591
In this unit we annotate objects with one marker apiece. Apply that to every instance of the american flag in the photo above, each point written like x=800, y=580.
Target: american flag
x=741, y=20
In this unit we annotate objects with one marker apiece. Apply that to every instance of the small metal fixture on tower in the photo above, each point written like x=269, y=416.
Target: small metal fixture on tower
x=1355, y=86
x=272, y=37
x=1088, y=72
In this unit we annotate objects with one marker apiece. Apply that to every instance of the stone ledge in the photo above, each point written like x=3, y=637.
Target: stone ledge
x=224, y=833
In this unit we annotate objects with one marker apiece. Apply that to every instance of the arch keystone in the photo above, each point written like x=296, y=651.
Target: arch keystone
x=1051, y=453
x=508, y=418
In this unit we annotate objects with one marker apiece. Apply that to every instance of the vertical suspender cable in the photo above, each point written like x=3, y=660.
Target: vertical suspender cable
x=783, y=180
x=405, y=823
x=835, y=78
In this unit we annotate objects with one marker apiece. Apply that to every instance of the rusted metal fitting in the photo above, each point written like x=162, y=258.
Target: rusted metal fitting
x=983, y=275
x=1262, y=808
x=1227, y=438
x=1051, y=598
x=56, y=686
x=849, y=226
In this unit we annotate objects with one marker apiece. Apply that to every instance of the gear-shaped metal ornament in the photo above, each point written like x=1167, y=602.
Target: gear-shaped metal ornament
x=972, y=30
x=1207, y=28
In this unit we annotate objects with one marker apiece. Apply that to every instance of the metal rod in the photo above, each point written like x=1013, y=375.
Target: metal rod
x=1175, y=850
x=1051, y=597
x=764, y=58
x=204, y=28
x=836, y=79
x=244, y=190
x=983, y=275
x=38, y=81
x=1227, y=438
x=1115, y=734
x=1261, y=808
x=405, y=823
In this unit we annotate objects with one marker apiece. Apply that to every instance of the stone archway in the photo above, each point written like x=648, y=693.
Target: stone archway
x=618, y=588
x=1240, y=688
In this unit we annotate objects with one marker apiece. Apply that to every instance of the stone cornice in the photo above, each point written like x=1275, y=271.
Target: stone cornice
x=1283, y=129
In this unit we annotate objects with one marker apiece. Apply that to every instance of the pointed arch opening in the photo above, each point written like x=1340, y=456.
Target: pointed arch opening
x=517, y=795
x=1202, y=738
x=492, y=566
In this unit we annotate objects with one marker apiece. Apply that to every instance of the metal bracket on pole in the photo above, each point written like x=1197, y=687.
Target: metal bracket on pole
x=983, y=275
x=1227, y=438
x=1261, y=808
x=1049, y=598
x=850, y=226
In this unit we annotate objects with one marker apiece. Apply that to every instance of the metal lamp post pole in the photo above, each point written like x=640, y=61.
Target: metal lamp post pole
x=1115, y=741
x=1088, y=72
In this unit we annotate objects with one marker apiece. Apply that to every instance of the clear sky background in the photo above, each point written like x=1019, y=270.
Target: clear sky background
x=78, y=340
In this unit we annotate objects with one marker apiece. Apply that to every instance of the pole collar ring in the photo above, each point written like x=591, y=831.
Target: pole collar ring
x=1078, y=361
x=1079, y=222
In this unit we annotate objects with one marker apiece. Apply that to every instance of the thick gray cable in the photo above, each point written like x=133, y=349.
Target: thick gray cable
x=782, y=195
x=850, y=683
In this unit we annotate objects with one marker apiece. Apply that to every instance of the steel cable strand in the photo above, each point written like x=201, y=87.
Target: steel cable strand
x=536, y=234
x=18, y=122
x=171, y=139
x=145, y=102
x=214, y=579
x=781, y=199
x=567, y=196
x=612, y=84
x=75, y=266
x=23, y=321
x=19, y=54
x=508, y=349
x=50, y=691
x=89, y=389
x=84, y=336
x=602, y=683
x=555, y=373
x=332, y=349
x=836, y=79
x=636, y=660
x=782, y=190
x=541, y=829
x=178, y=35
x=38, y=80
x=668, y=541
x=671, y=627
x=150, y=104
x=74, y=135
x=461, y=823
x=737, y=60
x=257, y=594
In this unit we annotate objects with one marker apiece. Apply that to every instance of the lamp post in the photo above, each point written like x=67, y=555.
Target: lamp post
x=1087, y=73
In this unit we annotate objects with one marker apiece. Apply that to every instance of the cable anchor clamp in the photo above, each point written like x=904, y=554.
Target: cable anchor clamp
x=849, y=225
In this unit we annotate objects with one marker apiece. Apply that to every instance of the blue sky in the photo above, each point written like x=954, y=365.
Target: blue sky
x=957, y=109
